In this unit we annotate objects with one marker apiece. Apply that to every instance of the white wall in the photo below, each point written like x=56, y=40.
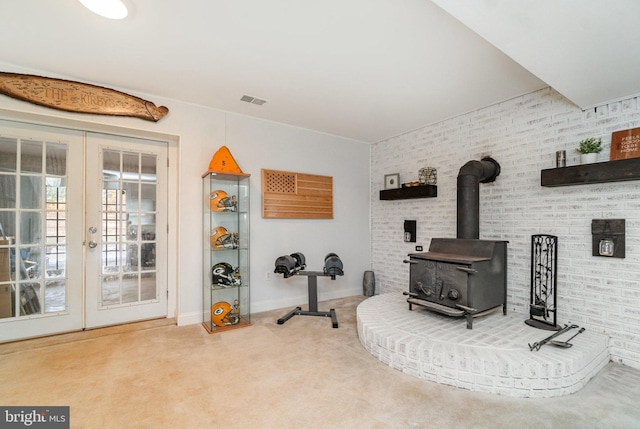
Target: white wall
x=255, y=144
x=523, y=135
x=258, y=144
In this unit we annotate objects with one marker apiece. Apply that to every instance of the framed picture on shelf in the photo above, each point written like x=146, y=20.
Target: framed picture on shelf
x=392, y=181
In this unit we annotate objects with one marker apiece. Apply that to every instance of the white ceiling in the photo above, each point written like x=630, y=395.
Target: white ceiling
x=363, y=69
x=588, y=50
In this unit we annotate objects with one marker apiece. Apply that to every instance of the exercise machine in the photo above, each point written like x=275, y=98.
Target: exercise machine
x=294, y=265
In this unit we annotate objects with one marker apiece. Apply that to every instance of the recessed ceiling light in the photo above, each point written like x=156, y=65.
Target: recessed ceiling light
x=112, y=9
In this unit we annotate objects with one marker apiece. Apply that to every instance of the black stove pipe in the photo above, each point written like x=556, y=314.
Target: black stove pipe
x=469, y=178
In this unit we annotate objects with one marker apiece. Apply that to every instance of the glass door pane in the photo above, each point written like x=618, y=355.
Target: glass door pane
x=128, y=228
x=130, y=284
x=33, y=233
x=41, y=212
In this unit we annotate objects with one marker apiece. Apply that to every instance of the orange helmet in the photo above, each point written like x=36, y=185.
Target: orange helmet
x=220, y=201
x=222, y=239
x=221, y=314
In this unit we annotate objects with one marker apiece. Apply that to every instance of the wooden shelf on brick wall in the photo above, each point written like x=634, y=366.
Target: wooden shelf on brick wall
x=599, y=172
x=422, y=191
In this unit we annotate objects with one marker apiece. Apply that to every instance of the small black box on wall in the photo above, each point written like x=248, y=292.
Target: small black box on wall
x=410, y=231
x=608, y=237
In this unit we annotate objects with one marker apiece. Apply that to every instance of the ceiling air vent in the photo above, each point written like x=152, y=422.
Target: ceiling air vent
x=253, y=100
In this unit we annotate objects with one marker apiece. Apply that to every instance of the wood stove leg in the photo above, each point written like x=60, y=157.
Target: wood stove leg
x=412, y=295
x=504, y=303
x=469, y=318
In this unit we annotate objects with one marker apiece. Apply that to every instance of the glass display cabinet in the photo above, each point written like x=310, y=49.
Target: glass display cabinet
x=226, y=282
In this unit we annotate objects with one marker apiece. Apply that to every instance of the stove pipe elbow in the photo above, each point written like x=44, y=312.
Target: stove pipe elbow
x=469, y=178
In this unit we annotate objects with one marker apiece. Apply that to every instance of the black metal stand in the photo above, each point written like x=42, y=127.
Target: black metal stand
x=313, y=300
x=544, y=260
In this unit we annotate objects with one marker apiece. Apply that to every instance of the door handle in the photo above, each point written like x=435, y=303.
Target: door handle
x=92, y=244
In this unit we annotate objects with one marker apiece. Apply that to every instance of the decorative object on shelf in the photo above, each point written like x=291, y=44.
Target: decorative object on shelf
x=223, y=162
x=428, y=176
x=221, y=202
x=223, y=239
x=561, y=158
x=289, y=195
x=225, y=275
x=77, y=97
x=608, y=237
x=589, y=149
x=392, y=181
x=222, y=314
x=607, y=246
x=625, y=144
x=544, y=271
x=410, y=231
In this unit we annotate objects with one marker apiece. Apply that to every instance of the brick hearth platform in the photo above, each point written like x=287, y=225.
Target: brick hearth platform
x=492, y=357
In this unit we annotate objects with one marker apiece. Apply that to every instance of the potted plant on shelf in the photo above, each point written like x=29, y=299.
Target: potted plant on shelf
x=589, y=149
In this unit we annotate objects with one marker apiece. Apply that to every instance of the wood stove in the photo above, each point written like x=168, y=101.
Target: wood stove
x=463, y=276
x=459, y=277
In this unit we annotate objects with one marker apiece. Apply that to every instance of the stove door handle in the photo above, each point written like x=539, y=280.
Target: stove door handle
x=410, y=262
x=467, y=270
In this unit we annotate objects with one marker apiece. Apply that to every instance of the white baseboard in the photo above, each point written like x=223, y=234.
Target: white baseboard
x=291, y=301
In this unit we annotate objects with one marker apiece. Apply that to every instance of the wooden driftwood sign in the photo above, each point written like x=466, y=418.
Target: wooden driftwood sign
x=77, y=97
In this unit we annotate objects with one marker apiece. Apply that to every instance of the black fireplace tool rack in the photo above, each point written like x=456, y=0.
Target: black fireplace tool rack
x=544, y=271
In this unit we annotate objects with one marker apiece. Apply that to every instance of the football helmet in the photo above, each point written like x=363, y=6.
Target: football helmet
x=221, y=314
x=222, y=239
x=221, y=202
x=225, y=275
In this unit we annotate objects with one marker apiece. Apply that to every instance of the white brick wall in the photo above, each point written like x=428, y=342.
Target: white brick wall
x=523, y=134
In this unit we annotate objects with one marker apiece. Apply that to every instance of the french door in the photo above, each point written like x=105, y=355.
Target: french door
x=56, y=187
x=126, y=230
x=40, y=175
